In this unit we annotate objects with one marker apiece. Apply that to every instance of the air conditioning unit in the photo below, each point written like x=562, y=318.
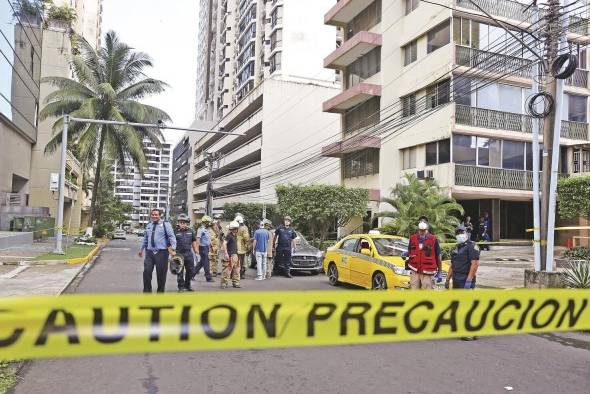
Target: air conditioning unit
x=420, y=174
x=425, y=174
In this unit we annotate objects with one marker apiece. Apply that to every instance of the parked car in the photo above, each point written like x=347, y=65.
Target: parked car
x=119, y=234
x=306, y=257
x=140, y=232
x=373, y=261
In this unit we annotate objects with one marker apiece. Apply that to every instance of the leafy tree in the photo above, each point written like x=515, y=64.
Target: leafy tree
x=317, y=208
x=109, y=83
x=252, y=212
x=414, y=198
x=111, y=212
x=574, y=197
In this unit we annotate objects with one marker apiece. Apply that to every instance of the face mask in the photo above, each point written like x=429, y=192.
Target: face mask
x=461, y=238
x=422, y=226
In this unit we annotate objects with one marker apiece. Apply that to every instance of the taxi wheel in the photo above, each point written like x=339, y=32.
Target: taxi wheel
x=333, y=274
x=379, y=282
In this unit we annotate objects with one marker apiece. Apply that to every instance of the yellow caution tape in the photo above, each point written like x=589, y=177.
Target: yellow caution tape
x=82, y=325
x=530, y=230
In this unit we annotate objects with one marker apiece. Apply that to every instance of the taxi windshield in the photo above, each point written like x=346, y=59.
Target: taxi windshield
x=390, y=246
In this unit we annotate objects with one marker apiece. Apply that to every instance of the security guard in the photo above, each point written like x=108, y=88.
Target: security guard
x=464, y=264
x=243, y=238
x=186, y=245
x=284, y=245
x=204, y=242
x=214, y=234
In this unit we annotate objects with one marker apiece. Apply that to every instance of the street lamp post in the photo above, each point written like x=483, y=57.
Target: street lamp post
x=64, y=141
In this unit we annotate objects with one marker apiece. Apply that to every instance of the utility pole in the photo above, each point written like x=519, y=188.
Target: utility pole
x=62, y=186
x=553, y=32
x=212, y=159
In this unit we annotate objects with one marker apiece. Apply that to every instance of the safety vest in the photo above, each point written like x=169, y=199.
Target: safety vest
x=423, y=260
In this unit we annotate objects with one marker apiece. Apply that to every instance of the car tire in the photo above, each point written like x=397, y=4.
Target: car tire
x=333, y=274
x=379, y=282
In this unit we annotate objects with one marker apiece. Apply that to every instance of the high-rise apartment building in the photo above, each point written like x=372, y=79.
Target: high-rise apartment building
x=260, y=74
x=181, y=157
x=147, y=192
x=470, y=79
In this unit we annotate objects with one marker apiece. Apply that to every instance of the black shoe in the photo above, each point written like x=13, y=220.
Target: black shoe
x=210, y=280
x=242, y=276
x=188, y=289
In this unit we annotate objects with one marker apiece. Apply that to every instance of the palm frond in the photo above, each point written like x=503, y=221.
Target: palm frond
x=145, y=87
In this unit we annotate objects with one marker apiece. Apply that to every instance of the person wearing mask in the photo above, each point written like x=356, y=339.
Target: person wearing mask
x=231, y=262
x=468, y=226
x=464, y=264
x=260, y=245
x=186, y=245
x=214, y=248
x=284, y=245
x=243, y=244
x=423, y=258
x=158, y=244
x=269, y=248
x=484, y=235
x=204, y=242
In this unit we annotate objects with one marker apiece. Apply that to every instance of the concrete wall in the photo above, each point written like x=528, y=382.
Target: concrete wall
x=15, y=158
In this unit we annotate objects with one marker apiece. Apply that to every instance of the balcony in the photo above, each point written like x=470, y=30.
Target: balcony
x=500, y=120
x=351, y=97
x=579, y=79
x=352, y=49
x=495, y=62
x=495, y=178
x=344, y=11
x=349, y=145
x=503, y=8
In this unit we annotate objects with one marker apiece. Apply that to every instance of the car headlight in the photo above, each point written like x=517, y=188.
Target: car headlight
x=400, y=270
x=319, y=255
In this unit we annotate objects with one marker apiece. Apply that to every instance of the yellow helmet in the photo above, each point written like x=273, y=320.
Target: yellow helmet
x=206, y=219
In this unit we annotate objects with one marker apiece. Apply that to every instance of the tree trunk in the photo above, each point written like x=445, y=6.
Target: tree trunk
x=97, y=176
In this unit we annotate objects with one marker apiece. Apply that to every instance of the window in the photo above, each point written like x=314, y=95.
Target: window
x=361, y=163
x=431, y=153
x=462, y=90
x=438, y=152
x=409, y=105
x=276, y=17
x=365, y=20
x=513, y=155
x=411, y=5
x=364, y=67
x=409, y=158
x=438, y=37
x=575, y=108
x=364, y=115
x=489, y=152
x=464, y=151
x=410, y=52
x=438, y=94
x=276, y=39
x=275, y=62
x=349, y=245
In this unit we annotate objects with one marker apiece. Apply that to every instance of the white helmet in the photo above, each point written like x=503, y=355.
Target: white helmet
x=233, y=225
x=239, y=219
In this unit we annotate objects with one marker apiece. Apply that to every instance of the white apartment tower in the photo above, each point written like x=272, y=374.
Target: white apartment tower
x=147, y=192
x=403, y=58
x=261, y=74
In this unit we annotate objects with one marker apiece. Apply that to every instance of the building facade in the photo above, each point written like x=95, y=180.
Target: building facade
x=440, y=93
x=152, y=190
x=260, y=75
x=181, y=156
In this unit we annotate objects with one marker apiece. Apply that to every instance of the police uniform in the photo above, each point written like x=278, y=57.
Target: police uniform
x=461, y=259
x=284, y=245
x=213, y=251
x=184, y=246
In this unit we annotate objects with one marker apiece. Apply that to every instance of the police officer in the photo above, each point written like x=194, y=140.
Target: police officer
x=186, y=245
x=204, y=242
x=464, y=264
x=284, y=245
x=423, y=257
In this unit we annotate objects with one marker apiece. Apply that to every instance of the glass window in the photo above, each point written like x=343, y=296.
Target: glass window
x=464, y=147
x=488, y=97
x=576, y=108
x=465, y=32
x=462, y=90
x=479, y=35
x=438, y=37
x=411, y=5
x=489, y=152
x=510, y=98
x=513, y=155
x=364, y=67
x=444, y=151
x=275, y=62
x=349, y=244
x=365, y=20
x=364, y=115
x=409, y=105
x=410, y=52
x=409, y=158
x=431, y=153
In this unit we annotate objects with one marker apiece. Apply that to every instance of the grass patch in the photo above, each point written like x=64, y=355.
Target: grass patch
x=7, y=376
x=72, y=252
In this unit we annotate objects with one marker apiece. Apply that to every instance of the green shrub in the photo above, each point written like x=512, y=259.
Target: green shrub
x=62, y=13
x=579, y=253
x=446, y=249
x=326, y=244
x=577, y=275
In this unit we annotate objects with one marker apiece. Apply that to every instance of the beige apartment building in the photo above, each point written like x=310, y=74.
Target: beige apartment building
x=261, y=75
x=403, y=58
x=34, y=46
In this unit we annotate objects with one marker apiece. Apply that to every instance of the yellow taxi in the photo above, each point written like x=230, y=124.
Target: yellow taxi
x=373, y=261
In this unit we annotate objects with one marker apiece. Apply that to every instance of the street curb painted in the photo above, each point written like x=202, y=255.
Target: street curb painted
x=87, y=258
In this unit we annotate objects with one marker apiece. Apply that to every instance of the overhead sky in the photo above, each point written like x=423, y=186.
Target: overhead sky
x=167, y=31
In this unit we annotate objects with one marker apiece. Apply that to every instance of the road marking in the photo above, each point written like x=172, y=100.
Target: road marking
x=14, y=272
x=111, y=248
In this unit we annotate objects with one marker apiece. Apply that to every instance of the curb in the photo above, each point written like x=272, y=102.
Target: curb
x=515, y=259
x=87, y=258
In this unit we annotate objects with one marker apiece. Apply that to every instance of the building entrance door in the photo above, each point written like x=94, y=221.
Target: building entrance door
x=516, y=217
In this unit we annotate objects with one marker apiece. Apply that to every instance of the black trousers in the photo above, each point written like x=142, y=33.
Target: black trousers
x=185, y=276
x=204, y=262
x=160, y=261
x=242, y=259
x=283, y=261
x=459, y=283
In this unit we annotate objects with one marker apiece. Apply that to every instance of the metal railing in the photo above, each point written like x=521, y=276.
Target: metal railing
x=490, y=61
x=501, y=120
x=578, y=79
x=496, y=178
x=504, y=8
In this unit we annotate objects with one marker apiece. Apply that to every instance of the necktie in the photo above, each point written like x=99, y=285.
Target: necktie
x=154, y=226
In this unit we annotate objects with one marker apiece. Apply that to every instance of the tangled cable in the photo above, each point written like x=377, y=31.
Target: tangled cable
x=548, y=103
x=560, y=61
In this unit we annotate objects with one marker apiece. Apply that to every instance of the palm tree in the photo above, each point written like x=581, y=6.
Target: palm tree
x=109, y=82
x=414, y=198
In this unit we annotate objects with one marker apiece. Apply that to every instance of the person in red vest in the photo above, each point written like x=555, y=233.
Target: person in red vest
x=424, y=257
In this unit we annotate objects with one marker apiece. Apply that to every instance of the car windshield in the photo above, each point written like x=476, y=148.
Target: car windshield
x=300, y=240
x=390, y=246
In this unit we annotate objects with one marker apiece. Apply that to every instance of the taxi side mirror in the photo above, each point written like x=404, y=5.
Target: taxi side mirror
x=366, y=252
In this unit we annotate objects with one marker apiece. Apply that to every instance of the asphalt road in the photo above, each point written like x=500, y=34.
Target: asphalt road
x=548, y=363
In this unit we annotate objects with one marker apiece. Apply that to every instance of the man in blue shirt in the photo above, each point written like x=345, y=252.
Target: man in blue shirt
x=158, y=243
x=204, y=243
x=260, y=249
